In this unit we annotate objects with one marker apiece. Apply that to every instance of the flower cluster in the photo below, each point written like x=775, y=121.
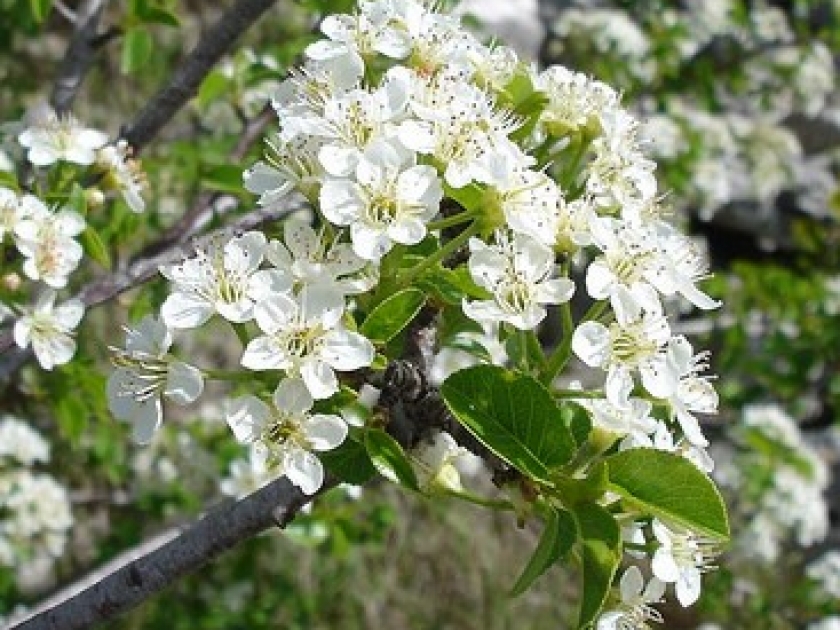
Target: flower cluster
x=789, y=502
x=46, y=237
x=35, y=517
x=432, y=161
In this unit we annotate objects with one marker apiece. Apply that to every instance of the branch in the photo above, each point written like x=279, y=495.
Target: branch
x=184, y=82
x=79, y=56
x=131, y=584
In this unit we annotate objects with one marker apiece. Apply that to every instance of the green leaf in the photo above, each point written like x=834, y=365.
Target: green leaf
x=157, y=15
x=224, y=177
x=78, y=201
x=451, y=286
x=577, y=419
x=9, y=180
x=72, y=416
x=513, y=415
x=349, y=462
x=40, y=9
x=600, y=563
x=594, y=522
x=95, y=248
x=668, y=486
x=392, y=315
x=136, y=50
x=389, y=458
x=214, y=85
x=557, y=539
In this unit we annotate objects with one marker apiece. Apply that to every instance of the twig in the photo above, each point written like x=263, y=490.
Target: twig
x=131, y=584
x=187, y=77
x=79, y=57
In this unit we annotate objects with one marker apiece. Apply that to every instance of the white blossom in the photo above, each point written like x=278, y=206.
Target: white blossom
x=634, y=342
x=144, y=372
x=518, y=273
x=306, y=256
x=303, y=336
x=21, y=443
x=55, y=138
x=389, y=201
x=635, y=609
x=49, y=329
x=123, y=174
x=224, y=278
x=285, y=433
x=682, y=558
x=45, y=238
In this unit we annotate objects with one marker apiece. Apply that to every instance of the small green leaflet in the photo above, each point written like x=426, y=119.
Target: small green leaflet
x=392, y=315
x=349, y=462
x=601, y=555
x=670, y=487
x=389, y=458
x=557, y=539
x=136, y=50
x=513, y=415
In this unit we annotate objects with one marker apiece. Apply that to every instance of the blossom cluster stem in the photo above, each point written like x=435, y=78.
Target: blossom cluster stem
x=443, y=253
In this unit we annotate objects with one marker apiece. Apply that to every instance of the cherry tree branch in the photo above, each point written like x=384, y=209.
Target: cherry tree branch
x=78, y=59
x=184, y=83
x=274, y=505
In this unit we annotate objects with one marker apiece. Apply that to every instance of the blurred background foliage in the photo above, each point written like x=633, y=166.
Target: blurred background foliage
x=743, y=116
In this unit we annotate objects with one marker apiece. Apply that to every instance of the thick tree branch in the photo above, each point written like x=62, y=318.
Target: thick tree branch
x=184, y=82
x=274, y=505
x=79, y=57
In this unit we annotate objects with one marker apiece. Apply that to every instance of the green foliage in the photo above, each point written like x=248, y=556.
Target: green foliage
x=389, y=458
x=350, y=462
x=669, y=487
x=558, y=535
x=391, y=315
x=513, y=415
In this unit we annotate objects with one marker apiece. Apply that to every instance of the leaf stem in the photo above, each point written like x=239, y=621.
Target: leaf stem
x=494, y=504
x=455, y=219
x=449, y=248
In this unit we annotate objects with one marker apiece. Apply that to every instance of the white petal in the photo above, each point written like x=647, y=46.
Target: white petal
x=688, y=586
x=184, y=383
x=55, y=349
x=292, y=396
x=345, y=350
x=407, y=230
x=275, y=312
x=185, y=310
x=246, y=417
x=320, y=379
x=324, y=432
x=555, y=291
x=664, y=566
x=340, y=201
x=263, y=353
x=591, y=343
x=631, y=584
x=600, y=279
x=146, y=421
x=304, y=470
x=122, y=383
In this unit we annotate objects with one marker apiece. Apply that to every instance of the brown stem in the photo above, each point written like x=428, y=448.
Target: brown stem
x=187, y=77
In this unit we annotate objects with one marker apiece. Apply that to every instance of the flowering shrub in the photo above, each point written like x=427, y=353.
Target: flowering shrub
x=429, y=197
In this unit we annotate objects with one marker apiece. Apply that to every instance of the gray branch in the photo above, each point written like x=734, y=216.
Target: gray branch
x=187, y=77
x=274, y=505
x=79, y=56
